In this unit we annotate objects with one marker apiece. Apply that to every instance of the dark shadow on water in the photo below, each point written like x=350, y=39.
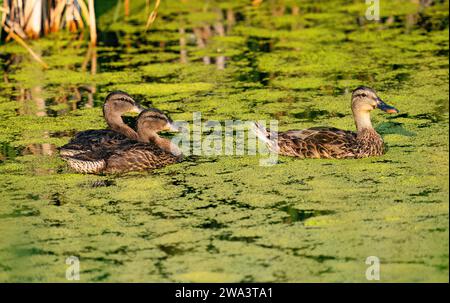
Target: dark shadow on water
x=228, y=236
x=301, y=215
x=311, y=114
x=387, y=128
x=171, y=250
x=426, y=192
x=211, y=224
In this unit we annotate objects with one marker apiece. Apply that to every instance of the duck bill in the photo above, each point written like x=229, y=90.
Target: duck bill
x=386, y=107
x=137, y=109
x=173, y=128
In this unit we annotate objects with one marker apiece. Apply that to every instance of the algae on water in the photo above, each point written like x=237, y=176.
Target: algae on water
x=225, y=218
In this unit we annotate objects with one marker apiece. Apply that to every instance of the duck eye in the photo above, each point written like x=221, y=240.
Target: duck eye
x=123, y=99
x=363, y=95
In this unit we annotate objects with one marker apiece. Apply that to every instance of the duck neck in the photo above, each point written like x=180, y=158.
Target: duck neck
x=362, y=120
x=116, y=123
x=163, y=143
x=369, y=141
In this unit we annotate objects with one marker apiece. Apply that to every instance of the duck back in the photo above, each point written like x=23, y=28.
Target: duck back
x=318, y=142
x=92, y=140
x=125, y=157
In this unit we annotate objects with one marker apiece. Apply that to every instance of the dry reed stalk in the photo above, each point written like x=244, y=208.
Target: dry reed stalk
x=57, y=16
x=4, y=10
x=21, y=13
x=46, y=20
x=127, y=8
x=25, y=45
x=73, y=18
x=78, y=19
x=84, y=11
x=256, y=3
x=151, y=18
x=92, y=27
x=13, y=24
x=30, y=20
x=70, y=16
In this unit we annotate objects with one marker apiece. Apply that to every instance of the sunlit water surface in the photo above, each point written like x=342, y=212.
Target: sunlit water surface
x=225, y=218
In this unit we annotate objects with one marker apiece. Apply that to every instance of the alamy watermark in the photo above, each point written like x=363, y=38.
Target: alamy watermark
x=229, y=138
x=373, y=10
x=73, y=270
x=373, y=271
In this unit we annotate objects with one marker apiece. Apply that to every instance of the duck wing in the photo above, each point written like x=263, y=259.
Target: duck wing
x=138, y=157
x=318, y=142
x=125, y=157
x=91, y=140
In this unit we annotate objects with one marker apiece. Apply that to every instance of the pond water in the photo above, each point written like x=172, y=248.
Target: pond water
x=226, y=218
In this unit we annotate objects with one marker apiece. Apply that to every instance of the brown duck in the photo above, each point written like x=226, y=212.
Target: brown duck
x=326, y=142
x=149, y=152
x=116, y=104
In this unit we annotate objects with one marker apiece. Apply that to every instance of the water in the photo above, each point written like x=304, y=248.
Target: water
x=227, y=218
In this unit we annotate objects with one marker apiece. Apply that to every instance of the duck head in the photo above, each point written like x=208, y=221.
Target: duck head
x=116, y=104
x=119, y=102
x=152, y=121
x=364, y=100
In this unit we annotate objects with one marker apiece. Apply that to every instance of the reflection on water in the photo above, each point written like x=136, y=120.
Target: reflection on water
x=68, y=98
x=8, y=152
x=226, y=217
x=197, y=41
x=91, y=57
x=44, y=149
x=203, y=36
x=31, y=102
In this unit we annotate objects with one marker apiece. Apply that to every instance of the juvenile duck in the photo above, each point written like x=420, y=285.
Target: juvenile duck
x=152, y=151
x=116, y=104
x=325, y=142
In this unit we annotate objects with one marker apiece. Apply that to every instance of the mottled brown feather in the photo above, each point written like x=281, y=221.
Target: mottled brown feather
x=106, y=151
x=326, y=142
x=331, y=143
x=125, y=157
x=92, y=140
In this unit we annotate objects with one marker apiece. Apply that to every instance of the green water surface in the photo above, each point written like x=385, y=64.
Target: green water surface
x=226, y=218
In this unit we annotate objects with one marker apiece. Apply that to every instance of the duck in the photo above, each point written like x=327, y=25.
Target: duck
x=116, y=104
x=333, y=143
x=149, y=151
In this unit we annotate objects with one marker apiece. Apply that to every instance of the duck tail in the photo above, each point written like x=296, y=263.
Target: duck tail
x=85, y=166
x=265, y=136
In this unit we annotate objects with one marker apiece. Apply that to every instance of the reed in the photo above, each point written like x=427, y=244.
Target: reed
x=93, y=27
x=28, y=48
x=34, y=18
x=151, y=18
x=30, y=19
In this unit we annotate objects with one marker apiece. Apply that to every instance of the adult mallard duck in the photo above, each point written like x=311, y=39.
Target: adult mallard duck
x=116, y=104
x=152, y=151
x=326, y=142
